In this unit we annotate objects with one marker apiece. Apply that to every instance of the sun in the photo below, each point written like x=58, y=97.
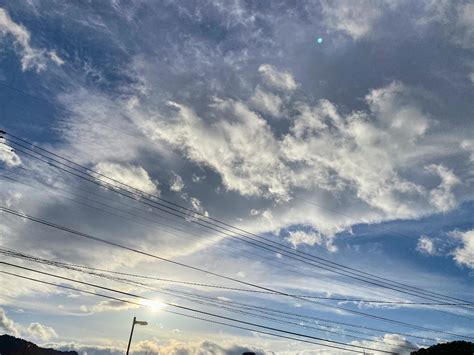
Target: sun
x=155, y=305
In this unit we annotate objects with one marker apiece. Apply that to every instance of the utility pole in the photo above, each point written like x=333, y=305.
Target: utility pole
x=135, y=321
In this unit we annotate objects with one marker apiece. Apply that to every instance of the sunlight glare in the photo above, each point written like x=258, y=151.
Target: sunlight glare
x=155, y=305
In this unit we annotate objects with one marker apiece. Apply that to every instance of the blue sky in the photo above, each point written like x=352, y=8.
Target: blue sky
x=357, y=149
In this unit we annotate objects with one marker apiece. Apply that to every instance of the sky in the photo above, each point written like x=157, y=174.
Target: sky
x=339, y=129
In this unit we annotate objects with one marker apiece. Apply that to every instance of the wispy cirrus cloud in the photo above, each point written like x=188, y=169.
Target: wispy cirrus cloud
x=355, y=19
x=107, y=306
x=367, y=157
x=31, y=57
x=255, y=119
x=277, y=78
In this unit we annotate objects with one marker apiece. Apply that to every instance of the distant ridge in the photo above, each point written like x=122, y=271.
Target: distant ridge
x=452, y=348
x=10, y=345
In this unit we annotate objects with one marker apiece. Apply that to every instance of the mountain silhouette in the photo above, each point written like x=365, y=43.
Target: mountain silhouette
x=10, y=345
x=452, y=348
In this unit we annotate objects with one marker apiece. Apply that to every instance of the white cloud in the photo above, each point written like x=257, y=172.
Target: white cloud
x=468, y=145
x=397, y=110
x=301, y=237
x=267, y=102
x=464, y=255
x=93, y=125
x=196, y=204
x=268, y=215
x=355, y=161
x=361, y=163
x=13, y=199
x=8, y=156
x=471, y=77
x=465, y=25
x=442, y=196
x=358, y=156
x=310, y=238
x=41, y=331
x=31, y=58
x=169, y=347
x=389, y=342
x=362, y=150
x=310, y=119
x=365, y=19
x=84, y=349
x=203, y=347
x=176, y=182
x=132, y=175
x=254, y=212
x=197, y=178
x=426, y=245
x=244, y=152
x=353, y=18
x=107, y=305
x=435, y=10
x=55, y=58
x=278, y=79
x=456, y=19
x=8, y=325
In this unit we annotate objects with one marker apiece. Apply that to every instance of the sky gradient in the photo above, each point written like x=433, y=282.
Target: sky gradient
x=339, y=129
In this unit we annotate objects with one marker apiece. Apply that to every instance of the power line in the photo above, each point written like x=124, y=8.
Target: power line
x=181, y=235
x=76, y=267
x=187, y=295
x=311, y=297
x=99, y=273
x=234, y=307
x=250, y=310
x=62, y=108
x=206, y=217
x=253, y=242
x=65, y=109
x=152, y=212
x=225, y=248
x=169, y=202
x=185, y=307
x=172, y=312
x=230, y=247
x=104, y=241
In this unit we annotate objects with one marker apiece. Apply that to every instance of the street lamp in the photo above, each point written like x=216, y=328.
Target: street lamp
x=135, y=321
